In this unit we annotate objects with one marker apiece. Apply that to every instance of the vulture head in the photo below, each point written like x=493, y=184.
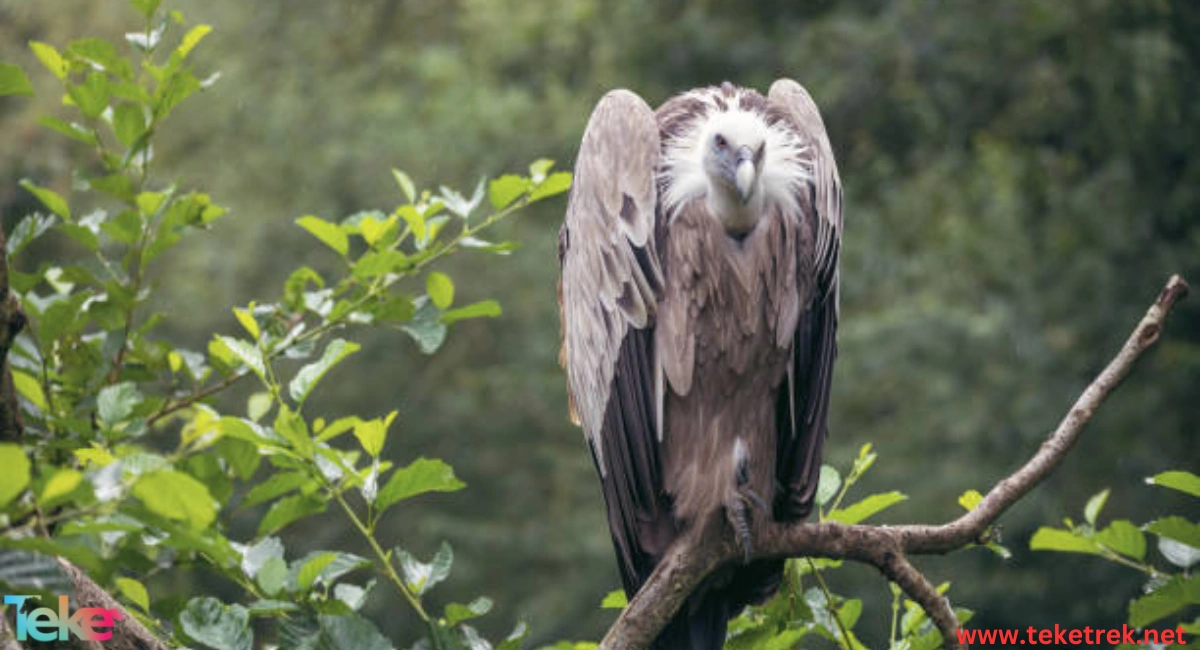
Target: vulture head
x=743, y=158
x=734, y=146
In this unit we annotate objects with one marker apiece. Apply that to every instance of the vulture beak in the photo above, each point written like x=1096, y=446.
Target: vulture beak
x=745, y=173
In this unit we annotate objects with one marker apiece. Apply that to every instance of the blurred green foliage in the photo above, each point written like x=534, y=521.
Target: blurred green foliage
x=1020, y=177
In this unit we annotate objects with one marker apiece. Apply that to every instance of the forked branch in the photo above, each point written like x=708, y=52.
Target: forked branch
x=887, y=548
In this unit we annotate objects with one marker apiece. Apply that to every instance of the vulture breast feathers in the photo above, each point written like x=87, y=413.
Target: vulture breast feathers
x=699, y=305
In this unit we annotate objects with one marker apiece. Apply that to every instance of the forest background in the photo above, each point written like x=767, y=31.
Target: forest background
x=1020, y=179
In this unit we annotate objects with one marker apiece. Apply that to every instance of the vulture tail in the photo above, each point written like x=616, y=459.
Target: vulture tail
x=701, y=622
x=699, y=625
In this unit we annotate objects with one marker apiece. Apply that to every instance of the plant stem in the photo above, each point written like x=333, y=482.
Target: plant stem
x=829, y=604
x=383, y=557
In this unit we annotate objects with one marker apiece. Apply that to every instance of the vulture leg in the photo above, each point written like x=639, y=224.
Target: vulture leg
x=738, y=513
x=741, y=508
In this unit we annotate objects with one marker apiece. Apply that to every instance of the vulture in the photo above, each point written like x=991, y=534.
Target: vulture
x=699, y=305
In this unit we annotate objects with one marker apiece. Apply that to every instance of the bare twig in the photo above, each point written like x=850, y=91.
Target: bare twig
x=694, y=557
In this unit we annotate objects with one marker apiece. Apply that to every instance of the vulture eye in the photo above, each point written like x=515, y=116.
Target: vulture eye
x=720, y=141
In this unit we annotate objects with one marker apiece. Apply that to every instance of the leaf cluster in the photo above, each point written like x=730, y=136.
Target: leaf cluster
x=128, y=463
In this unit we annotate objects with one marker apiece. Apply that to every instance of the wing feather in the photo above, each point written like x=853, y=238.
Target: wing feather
x=803, y=407
x=609, y=292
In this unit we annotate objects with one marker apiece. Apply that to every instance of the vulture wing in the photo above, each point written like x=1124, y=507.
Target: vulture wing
x=804, y=400
x=608, y=294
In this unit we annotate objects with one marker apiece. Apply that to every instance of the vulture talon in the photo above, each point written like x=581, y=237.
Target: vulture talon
x=739, y=519
x=752, y=498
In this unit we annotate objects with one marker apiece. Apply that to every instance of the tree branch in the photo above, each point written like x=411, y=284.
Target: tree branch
x=692, y=558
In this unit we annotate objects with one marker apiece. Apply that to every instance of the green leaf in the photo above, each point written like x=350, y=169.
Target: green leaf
x=614, y=599
x=62, y=483
x=426, y=327
x=217, y=625
x=336, y=428
x=125, y=228
x=1055, y=539
x=73, y=131
x=178, y=87
x=95, y=455
x=351, y=595
x=258, y=405
x=373, y=230
x=1177, y=553
x=1094, y=506
x=1179, y=592
x=276, y=486
x=506, y=189
x=502, y=248
x=13, y=81
x=116, y=403
x=49, y=198
x=1185, y=482
x=970, y=499
x=15, y=476
x=555, y=184
x=539, y=168
x=414, y=219
x=312, y=568
x=1176, y=528
x=866, y=508
x=174, y=495
x=135, y=592
x=481, y=309
x=129, y=122
x=256, y=556
x=288, y=510
x=272, y=576
x=147, y=7
x=308, y=376
x=192, y=39
x=294, y=429
x=423, y=475
x=828, y=484
x=50, y=58
x=440, y=288
x=406, y=185
x=1124, y=538
x=29, y=388
x=329, y=234
x=92, y=95
x=849, y=612
x=456, y=613
x=421, y=577
x=372, y=434
x=327, y=571
x=377, y=263
x=27, y=230
x=350, y=632
x=249, y=355
x=99, y=53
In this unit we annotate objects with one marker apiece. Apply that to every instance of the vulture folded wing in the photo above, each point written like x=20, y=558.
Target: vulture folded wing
x=804, y=403
x=608, y=296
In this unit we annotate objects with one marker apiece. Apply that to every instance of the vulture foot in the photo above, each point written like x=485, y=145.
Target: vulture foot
x=739, y=513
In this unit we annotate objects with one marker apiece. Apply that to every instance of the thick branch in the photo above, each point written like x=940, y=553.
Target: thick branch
x=129, y=634
x=693, y=558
